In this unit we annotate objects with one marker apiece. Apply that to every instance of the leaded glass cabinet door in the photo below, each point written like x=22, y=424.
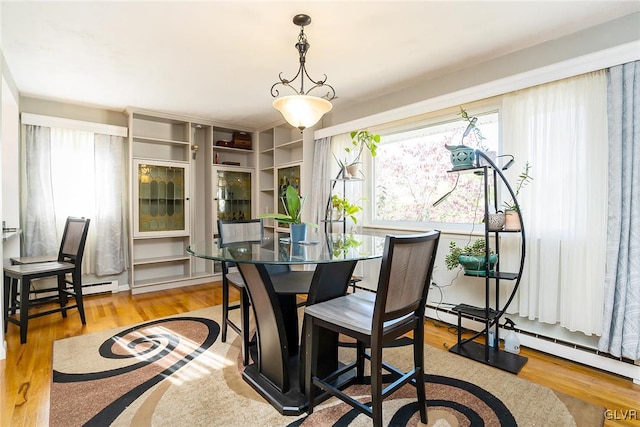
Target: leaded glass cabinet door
x=232, y=199
x=161, y=198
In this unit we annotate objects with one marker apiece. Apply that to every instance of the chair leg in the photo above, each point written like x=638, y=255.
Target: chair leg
x=24, y=308
x=418, y=360
x=8, y=283
x=360, y=361
x=311, y=361
x=225, y=308
x=62, y=295
x=376, y=384
x=77, y=288
x=14, y=295
x=244, y=325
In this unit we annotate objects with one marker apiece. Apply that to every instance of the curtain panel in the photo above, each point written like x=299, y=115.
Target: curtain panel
x=560, y=128
x=320, y=176
x=75, y=173
x=621, y=322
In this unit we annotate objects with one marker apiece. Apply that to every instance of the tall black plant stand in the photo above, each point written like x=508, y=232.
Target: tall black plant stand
x=491, y=314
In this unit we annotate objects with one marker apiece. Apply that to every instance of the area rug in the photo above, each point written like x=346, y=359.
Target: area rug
x=176, y=371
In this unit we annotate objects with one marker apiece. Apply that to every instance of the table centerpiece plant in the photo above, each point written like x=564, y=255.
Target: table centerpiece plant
x=293, y=204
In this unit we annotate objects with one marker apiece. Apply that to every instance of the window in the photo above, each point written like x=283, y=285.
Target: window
x=70, y=172
x=410, y=174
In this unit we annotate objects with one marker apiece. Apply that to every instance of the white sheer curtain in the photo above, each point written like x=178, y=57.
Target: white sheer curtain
x=320, y=176
x=561, y=129
x=75, y=173
x=38, y=215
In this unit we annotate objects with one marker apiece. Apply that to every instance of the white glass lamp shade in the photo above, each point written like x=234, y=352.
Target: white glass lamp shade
x=302, y=111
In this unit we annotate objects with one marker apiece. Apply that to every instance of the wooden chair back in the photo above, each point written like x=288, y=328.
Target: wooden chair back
x=405, y=274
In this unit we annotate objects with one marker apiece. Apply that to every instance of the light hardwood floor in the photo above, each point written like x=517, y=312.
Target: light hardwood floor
x=25, y=375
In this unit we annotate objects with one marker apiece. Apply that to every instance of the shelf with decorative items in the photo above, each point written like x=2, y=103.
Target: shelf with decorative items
x=484, y=262
x=172, y=161
x=482, y=258
x=280, y=157
x=160, y=161
x=344, y=210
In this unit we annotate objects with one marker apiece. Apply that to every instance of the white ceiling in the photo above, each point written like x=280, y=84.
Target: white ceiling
x=218, y=59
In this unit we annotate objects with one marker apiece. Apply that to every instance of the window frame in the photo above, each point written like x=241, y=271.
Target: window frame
x=488, y=106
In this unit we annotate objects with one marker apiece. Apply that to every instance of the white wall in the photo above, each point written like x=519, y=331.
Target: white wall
x=449, y=87
x=9, y=172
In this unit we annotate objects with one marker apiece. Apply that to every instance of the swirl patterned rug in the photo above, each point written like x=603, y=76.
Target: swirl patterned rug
x=176, y=371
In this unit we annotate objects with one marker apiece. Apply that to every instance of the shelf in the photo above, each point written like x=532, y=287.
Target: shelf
x=500, y=359
x=490, y=174
x=477, y=312
x=348, y=180
x=500, y=275
x=159, y=140
x=166, y=279
x=290, y=145
x=232, y=149
x=161, y=259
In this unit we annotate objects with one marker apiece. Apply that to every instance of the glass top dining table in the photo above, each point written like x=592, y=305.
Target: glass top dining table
x=320, y=248
x=277, y=367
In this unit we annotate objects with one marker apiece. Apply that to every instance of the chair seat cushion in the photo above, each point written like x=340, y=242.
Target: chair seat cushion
x=235, y=279
x=41, y=269
x=353, y=311
x=34, y=259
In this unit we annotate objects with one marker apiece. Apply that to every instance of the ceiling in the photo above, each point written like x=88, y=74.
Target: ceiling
x=218, y=59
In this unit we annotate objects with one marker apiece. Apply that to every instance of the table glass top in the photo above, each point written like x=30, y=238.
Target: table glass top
x=319, y=249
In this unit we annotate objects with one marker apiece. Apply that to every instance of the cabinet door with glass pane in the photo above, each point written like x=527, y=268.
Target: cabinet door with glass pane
x=232, y=193
x=287, y=175
x=161, y=199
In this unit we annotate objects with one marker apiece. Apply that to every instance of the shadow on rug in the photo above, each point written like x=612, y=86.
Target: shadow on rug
x=176, y=371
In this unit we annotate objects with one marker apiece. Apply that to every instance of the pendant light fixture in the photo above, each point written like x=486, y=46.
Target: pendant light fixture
x=302, y=110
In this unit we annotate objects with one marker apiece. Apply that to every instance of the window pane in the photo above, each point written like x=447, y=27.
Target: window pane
x=410, y=173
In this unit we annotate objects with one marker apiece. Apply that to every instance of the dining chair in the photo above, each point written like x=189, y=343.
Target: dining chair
x=69, y=261
x=374, y=320
x=284, y=279
x=44, y=258
x=230, y=231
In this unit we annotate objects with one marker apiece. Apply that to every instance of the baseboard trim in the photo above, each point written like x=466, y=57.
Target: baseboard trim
x=547, y=345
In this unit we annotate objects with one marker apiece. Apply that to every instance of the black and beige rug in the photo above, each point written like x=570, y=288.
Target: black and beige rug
x=176, y=372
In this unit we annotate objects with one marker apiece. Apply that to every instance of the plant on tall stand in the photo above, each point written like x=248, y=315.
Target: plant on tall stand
x=360, y=140
x=511, y=212
x=463, y=156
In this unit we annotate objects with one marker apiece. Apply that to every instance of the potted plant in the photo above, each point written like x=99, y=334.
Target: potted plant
x=511, y=213
x=342, y=207
x=472, y=258
x=293, y=205
x=344, y=243
x=462, y=156
x=360, y=140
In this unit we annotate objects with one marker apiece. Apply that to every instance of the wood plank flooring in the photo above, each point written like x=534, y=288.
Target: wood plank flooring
x=25, y=375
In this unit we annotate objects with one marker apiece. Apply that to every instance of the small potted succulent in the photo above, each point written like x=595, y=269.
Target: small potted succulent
x=472, y=258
